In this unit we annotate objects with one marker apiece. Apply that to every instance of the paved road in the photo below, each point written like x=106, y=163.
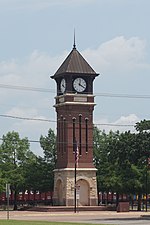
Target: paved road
x=131, y=218
x=123, y=221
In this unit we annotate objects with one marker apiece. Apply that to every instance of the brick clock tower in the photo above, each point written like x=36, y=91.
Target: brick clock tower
x=74, y=106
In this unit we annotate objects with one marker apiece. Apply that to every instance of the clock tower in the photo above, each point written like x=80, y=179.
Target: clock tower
x=74, y=104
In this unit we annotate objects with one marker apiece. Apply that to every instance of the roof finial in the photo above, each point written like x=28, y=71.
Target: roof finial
x=74, y=44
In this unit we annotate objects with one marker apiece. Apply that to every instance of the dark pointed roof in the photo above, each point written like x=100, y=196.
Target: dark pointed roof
x=75, y=63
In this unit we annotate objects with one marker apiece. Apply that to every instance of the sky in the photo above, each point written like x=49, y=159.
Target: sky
x=37, y=35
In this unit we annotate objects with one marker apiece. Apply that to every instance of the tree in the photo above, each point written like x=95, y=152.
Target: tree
x=38, y=173
x=143, y=152
x=48, y=143
x=2, y=183
x=104, y=160
x=39, y=176
x=143, y=125
x=129, y=172
x=48, y=163
x=122, y=160
x=14, y=155
x=2, y=180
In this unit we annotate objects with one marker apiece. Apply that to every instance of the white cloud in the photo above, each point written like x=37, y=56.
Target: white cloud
x=35, y=71
x=22, y=112
x=32, y=129
x=124, y=123
x=9, y=72
x=130, y=119
x=39, y=67
x=119, y=54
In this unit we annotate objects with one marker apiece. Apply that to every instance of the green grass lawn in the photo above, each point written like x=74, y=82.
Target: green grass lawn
x=18, y=222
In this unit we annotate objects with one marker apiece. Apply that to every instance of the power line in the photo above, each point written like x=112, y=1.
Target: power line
x=39, y=89
x=32, y=141
x=54, y=121
x=60, y=142
x=26, y=88
x=122, y=95
x=27, y=118
x=115, y=125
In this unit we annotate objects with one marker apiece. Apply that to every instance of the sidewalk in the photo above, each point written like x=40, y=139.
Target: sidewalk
x=74, y=217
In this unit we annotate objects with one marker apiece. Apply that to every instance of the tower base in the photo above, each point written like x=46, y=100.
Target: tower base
x=86, y=187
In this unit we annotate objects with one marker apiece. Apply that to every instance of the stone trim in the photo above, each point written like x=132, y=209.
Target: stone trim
x=72, y=169
x=75, y=103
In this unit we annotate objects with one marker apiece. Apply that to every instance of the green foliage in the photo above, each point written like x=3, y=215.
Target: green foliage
x=48, y=163
x=48, y=143
x=102, y=159
x=22, y=169
x=2, y=183
x=121, y=160
x=143, y=125
x=39, y=174
x=14, y=155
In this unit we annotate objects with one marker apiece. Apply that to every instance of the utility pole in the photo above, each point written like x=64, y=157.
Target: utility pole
x=75, y=187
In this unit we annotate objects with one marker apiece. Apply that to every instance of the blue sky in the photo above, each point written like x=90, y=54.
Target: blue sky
x=37, y=35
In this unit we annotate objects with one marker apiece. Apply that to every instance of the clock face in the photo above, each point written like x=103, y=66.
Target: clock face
x=79, y=84
x=63, y=85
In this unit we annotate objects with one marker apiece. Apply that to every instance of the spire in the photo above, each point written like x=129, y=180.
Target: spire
x=74, y=44
x=74, y=63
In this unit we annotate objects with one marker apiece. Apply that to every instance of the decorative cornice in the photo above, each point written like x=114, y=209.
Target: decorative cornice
x=75, y=103
x=75, y=94
x=72, y=169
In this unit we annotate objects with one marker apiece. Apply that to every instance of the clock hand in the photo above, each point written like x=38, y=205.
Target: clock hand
x=80, y=82
x=81, y=85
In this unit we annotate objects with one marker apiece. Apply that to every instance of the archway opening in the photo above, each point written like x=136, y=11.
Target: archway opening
x=59, y=192
x=83, y=191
